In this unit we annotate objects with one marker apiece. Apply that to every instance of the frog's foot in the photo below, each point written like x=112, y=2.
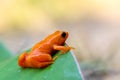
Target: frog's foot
x=43, y=60
x=21, y=60
x=37, y=64
x=64, y=49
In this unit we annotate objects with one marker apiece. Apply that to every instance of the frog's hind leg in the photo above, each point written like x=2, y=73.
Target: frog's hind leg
x=22, y=59
x=38, y=64
x=41, y=61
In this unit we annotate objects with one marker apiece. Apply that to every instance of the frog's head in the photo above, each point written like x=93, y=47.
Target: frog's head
x=58, y=37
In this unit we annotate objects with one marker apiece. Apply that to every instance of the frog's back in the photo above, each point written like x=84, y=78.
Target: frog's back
x=46, y=45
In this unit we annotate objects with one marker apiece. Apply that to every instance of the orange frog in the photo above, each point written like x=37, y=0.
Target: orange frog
x=40, y=55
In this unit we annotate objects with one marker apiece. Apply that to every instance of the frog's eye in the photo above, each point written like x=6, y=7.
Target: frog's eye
x=63, y=34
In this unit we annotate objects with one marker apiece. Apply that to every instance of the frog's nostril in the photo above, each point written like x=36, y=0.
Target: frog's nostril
x=63, y=34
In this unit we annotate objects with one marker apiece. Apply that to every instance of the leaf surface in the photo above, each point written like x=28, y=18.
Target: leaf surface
x=4, y=52
x=64, y=68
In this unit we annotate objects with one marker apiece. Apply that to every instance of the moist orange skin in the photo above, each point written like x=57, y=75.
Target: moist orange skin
x=40, y=55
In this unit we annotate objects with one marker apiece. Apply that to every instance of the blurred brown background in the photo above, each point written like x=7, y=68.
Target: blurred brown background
x=94, y=27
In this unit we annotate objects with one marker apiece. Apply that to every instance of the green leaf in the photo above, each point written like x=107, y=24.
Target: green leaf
x=64, y=68
x=4, y=52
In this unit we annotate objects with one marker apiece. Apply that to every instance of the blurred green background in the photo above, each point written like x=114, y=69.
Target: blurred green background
x=93, y=25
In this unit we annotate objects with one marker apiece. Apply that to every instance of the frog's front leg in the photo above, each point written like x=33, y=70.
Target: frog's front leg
x=63, y=48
